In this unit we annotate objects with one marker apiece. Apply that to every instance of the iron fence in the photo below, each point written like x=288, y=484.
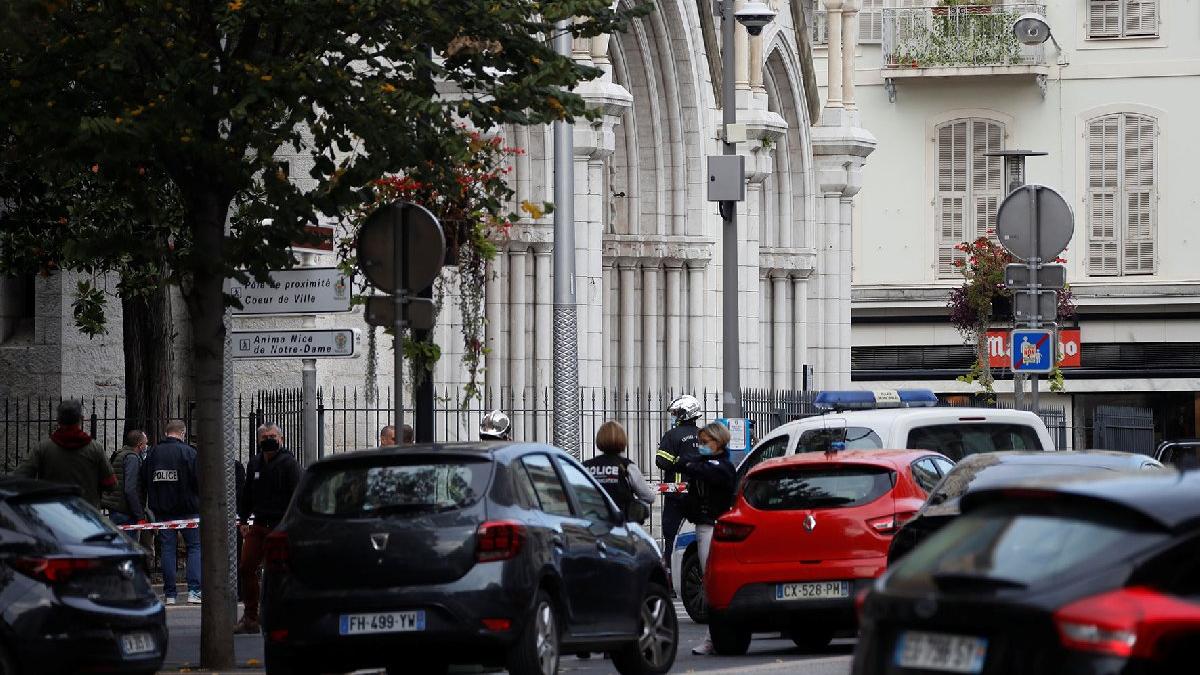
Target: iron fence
x=957, y=36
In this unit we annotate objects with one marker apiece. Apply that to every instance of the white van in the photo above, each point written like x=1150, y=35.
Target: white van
x=861, y=420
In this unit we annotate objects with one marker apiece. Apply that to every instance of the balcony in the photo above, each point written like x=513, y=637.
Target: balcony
x=958, y=41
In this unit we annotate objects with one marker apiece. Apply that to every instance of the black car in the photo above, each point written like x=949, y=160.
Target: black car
x=74, y=595
x=1183, y=454
x=977, y=472
x=504, y=554
x=1097, y=575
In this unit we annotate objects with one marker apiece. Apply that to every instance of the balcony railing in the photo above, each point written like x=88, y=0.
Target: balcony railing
x=958, y=36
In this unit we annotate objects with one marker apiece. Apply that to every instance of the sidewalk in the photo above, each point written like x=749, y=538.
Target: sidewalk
x=183, y=649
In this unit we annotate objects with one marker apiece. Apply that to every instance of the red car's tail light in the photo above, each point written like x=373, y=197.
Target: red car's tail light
x=726, y=530
x=54, y=570
x=1128, y=622
x=276, y=552
x=499, y=540
x=891, y=524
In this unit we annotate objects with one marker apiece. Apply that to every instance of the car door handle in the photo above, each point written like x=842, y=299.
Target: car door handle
x=602, y=547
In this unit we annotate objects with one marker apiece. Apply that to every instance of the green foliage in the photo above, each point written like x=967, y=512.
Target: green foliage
x=961, y=33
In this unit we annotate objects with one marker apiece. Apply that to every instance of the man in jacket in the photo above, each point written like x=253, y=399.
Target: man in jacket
x=271, y=478
x=127, y=503
x=677, y=448
x=173, y=493
x=71, y=456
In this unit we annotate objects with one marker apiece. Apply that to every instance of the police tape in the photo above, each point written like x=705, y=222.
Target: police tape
x=670, y=488
x=185, y=524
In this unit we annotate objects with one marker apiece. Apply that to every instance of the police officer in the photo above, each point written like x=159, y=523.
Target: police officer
x=495, y=426
x=677, y=448
x=173, y=493
x=618, y=475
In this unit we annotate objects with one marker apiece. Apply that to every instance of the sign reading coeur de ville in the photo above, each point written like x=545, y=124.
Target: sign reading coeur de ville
x=308, y=344
x=304, y=290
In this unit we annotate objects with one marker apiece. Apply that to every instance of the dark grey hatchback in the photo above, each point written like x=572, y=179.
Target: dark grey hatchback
x=502, y=554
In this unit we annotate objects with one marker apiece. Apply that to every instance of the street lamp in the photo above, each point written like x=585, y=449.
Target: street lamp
x=755, y=15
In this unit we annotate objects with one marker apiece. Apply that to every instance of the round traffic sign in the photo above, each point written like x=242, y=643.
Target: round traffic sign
x=426, y=247
x=1045, y=239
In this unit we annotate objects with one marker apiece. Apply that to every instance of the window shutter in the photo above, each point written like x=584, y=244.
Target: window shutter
x=1102, y=159
x=987, y=176
x=870, y=21
x=1104, y=18
x=1140, y=194
x=1141, y=17
x=820, y=24
x=951, y=198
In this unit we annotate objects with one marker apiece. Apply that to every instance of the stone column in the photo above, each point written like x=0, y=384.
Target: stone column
x=755, y=63
x=651, y=356
x=674, y=275
x=629, y=317
x=833, y=12
x=519, y=335
x=799, y=331
x=543, y=322
x=695, y=310
x=831, y=316
x=845, y=262
x=849, y=49
x=610, y=282
x=497, y=313
x=781, y=324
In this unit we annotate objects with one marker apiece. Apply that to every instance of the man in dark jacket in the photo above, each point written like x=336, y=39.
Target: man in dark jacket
x=677, y=448
x=173, y=493
x=71, y=456
x=127, y=503
x=271, y=478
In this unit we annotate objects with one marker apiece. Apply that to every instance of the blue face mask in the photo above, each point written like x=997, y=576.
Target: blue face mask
x=705, y=450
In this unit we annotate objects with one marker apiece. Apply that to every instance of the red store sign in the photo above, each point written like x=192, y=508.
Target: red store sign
x=1069, y=346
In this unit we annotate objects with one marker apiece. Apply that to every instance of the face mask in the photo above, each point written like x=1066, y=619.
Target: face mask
x=705, y=450
x=268, y=445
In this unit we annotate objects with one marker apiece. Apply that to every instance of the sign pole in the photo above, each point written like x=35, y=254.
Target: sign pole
x=1035, y=263
x=400, y=255
x=566, y=354
x=423, y=417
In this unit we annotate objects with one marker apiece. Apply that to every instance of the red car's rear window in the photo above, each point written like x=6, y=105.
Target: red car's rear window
x=817, y=487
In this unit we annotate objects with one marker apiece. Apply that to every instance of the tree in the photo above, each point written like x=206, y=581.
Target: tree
x=213, y=93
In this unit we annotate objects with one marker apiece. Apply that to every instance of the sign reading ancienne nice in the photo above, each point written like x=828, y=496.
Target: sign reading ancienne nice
x=304, y=290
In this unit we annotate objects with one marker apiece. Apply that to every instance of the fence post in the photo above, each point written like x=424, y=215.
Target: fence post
x=93, y=419
x=320, y=426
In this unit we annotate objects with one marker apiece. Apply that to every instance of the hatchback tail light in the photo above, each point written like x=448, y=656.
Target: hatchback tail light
x=1128, y=622
x=499, y=540
x=727, y=530
x=54, y=570
x=276, y=552
x=891, y=524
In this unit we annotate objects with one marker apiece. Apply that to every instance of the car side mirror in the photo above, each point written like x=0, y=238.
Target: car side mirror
x=638, y=512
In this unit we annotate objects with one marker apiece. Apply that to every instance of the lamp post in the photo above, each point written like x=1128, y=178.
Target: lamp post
x=754, y=15
x=566, y=354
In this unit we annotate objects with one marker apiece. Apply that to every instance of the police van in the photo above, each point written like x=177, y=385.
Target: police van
x=871, y=420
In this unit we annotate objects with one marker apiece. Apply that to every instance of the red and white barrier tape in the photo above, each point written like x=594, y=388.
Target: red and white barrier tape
x=186, y=524
x=670, y=488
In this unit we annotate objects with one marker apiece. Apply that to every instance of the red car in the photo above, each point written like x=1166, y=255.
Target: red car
x=806, y=533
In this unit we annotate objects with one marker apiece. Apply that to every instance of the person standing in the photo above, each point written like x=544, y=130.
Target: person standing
x=387, y=436
x=71, y=456
x=271, y=478
x=127, y=503
x=173, y=493
x=677, y=447
x=711, y=484
x=617, y=474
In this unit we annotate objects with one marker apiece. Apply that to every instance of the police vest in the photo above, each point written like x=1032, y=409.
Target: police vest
x=612, y=473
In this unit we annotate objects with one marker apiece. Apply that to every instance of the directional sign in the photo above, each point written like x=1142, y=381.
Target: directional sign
x=419, y=313
x=1016, y=276
x=302, y=344
x=1032, y=351
x=304, y=290
x=1042, y=306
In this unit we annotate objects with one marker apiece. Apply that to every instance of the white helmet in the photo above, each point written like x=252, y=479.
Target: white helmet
x=685, y=408
x=495, y=426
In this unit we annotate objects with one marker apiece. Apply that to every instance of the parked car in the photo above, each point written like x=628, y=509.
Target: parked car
x=1183, y=454
x=74, y=595
x=1094, y=575
x=865, y=420
x=805, y=533
x=502, y=554
x=997, y=468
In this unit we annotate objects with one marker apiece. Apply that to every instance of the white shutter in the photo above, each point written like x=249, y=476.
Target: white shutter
x=987, y=176
x=1104, y=18
x=1102, y=159
x=1140, y=194
x=870, y=21
x=1141, y=17
x=951, y=200
x=820, y=24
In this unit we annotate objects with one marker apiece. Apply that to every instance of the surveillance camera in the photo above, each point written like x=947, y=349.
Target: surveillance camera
x=755, y=16
x=1031, y=29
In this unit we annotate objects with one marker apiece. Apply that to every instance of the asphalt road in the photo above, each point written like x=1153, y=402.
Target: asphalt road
x=767, y=656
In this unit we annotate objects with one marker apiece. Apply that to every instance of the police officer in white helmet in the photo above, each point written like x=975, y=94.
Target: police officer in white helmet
x=495, y=426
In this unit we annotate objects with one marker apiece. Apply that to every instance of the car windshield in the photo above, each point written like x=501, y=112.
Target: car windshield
x=419, y=487
x=854, y=438
x=959, y=440
x=796, y=488
x=961, y=480
x=1013, y=547
x=68, y=519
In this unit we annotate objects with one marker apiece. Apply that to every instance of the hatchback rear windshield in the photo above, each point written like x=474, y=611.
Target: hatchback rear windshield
x=797, y=488
x=407, y=488
x=1013, y=547
x=959, y=440
x=854, y=438
x=69, y=520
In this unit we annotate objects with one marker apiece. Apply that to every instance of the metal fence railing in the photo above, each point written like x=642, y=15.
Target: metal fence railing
x=957, y=36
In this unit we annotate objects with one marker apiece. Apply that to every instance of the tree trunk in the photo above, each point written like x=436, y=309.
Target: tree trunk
x=206, y=304
x=146, y=328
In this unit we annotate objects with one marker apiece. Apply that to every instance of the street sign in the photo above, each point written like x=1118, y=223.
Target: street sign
x=1070, y=344
x=419, y=313
x=1042, y=306
x=1033, y=350
x=1027, y=237
x=1016, y=276
x=424, y=242
x=303, y=290
x=303, y=344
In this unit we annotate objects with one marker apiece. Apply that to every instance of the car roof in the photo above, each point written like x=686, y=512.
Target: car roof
x=485, y=449
x=1166, y=497
x=965, y=472
x=22, y=487
x=894, y=459
x=882, y=419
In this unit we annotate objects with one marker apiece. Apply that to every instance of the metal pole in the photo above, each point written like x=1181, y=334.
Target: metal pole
x=731, y=388
x=566, y=356
x=400, y=256
x=1034, y=263
x=423, y=417
x=308, y=376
